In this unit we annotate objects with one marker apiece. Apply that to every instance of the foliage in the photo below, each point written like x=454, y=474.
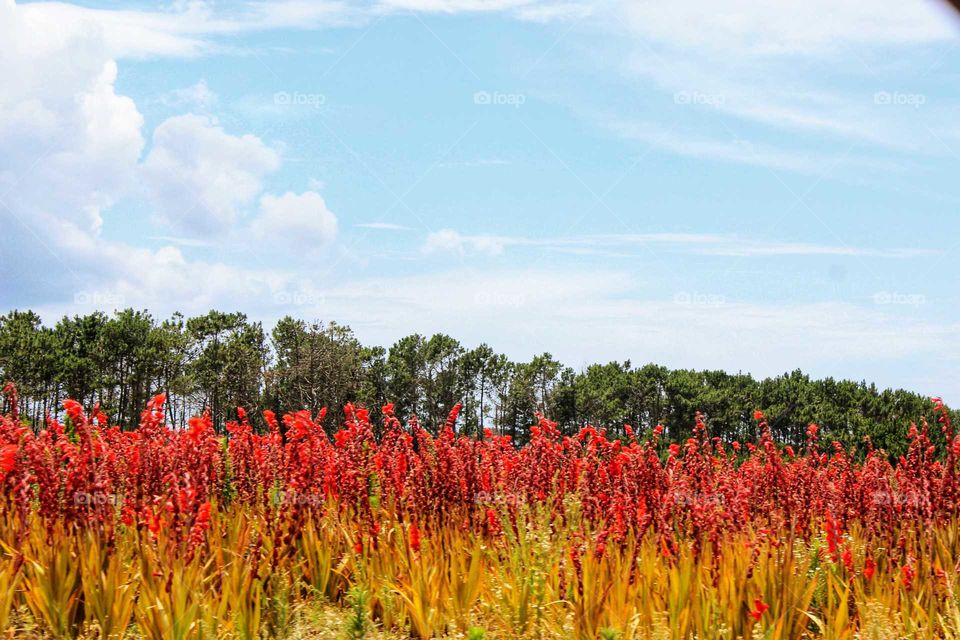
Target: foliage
x=218, y=361
x=164, y=532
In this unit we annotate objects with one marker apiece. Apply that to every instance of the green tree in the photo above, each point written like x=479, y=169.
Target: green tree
x=228, y=358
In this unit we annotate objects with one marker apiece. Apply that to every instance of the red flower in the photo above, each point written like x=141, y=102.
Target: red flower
x=760, y=607
x=907, y=573
x=200, y=524
x=492, y=522
x=73, y=408
x=758, y=415
x=203, y=515
x=414, y=537
x=8, y=458
x=833, y=534
x=153, y=522
x=848, y=559
x=869, y=568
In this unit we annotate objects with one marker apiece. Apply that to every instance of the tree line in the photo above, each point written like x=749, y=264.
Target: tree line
x=219, y=361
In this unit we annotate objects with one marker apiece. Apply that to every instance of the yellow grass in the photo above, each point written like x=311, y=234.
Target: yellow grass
x=541, y=579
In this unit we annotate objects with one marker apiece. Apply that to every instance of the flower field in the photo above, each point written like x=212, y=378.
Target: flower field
x=173, y=534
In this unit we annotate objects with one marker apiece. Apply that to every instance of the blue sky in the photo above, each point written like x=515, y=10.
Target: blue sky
x=757, y=187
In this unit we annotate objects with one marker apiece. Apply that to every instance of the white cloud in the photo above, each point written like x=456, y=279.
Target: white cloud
x=70, y=149
x=70, y=146
x=739, y=151
x=200, y=176
x=756, y=27
x=583, y=316
x=122, y=33
x=301, y=220
x=549, y=12
x=811, y=68
x=196, y=97
x=194, y=27
x=450, y=241
x=533, y=10
x=579, y=315
x=747, y=53
x=184, y=242
x=68, y=142
x=383, y=226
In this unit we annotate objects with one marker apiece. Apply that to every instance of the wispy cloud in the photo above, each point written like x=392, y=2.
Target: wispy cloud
x=450, y=241
x=736, y=150
x=384, y=226
x=183, y=242
x=818, y=71
x=185, y=29
x=594, y=315
x=482, y=162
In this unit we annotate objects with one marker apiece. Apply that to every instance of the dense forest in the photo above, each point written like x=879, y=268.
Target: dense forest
x=219, y=361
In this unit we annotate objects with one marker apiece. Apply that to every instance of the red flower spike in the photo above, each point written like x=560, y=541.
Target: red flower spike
x=8, y=458
x=869, y=568
x=759, y=608
x=414, y=537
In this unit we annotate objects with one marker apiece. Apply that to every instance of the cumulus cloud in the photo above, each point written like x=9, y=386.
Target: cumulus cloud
x=71, y=149
x=200, y=177
x=69, y=146
x=68, y=142
x=300, y=220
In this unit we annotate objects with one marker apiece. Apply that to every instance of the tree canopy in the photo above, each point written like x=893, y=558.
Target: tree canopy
x=219, y=361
